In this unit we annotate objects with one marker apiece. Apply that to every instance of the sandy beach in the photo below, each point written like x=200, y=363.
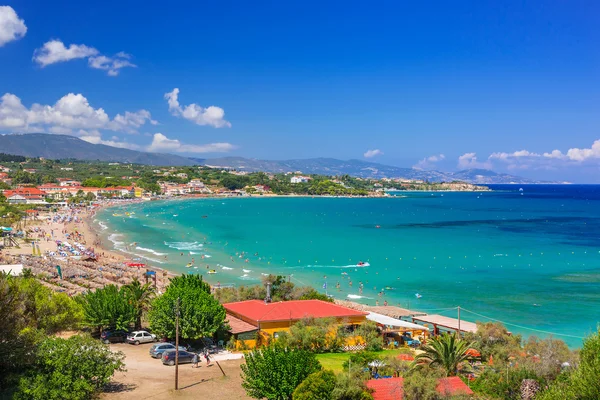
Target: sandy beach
x=85, y=264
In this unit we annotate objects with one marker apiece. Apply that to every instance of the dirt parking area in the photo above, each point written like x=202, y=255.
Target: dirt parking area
x=148, y=378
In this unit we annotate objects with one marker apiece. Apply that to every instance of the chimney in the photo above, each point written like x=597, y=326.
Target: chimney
x=268, y=298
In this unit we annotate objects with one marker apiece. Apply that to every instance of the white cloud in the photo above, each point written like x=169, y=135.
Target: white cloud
x=469, y=161
x=213, y=116
x=509, y=156
x=111, y=64
x=11, y=26
x=161, y=143
x=429, y=162
x=70, y=113
x=373, y=153
x=55, y=51
x=525, y=159
x=593, y=152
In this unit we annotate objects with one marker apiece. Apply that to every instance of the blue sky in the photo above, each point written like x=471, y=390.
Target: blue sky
x=489, y=84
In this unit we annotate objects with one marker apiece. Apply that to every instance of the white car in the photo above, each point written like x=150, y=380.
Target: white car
x=138, y=337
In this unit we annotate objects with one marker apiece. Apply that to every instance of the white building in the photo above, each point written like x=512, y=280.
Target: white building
x=300, y=179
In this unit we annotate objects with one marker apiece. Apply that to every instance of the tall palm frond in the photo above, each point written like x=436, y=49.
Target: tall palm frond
x=445, y=351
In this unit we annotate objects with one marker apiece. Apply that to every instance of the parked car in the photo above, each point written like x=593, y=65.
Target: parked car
x=158, y=349
x=168, y=357
x=138, y=337
x=118, y=336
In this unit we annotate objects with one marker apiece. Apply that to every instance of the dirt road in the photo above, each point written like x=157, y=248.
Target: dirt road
x=148, y=378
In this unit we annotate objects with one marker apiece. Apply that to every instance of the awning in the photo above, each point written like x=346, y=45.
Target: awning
x=396, y=323
x=239, y=326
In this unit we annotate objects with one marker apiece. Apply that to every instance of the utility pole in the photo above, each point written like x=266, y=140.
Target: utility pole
x=177, y=344
x=459, y=334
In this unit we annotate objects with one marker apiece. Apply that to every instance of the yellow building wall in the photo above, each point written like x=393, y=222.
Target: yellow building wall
x=268, y=330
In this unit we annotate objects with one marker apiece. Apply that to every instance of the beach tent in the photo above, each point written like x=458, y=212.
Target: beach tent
x=396, y=323
x=12, y=269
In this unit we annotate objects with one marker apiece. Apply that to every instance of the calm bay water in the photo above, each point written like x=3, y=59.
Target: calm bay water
x=529, y=258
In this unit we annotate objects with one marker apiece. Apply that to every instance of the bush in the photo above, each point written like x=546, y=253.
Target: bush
x=318, y=385
x=69, y=369
x=275, y=372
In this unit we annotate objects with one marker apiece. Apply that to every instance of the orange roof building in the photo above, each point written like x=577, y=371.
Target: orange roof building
x=269, y=319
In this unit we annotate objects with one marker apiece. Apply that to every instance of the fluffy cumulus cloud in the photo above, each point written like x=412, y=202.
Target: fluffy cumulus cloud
x=429, y=162
x=70, y=114
x=525, y=159
x=372, y=153
x=11, y=26
x=161, y=143
x=212, y=115
x=469, y=161
x=55, y=51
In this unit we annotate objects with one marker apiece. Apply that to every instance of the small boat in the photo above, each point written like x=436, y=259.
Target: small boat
x=377, y=226
x=360, y=264
x=189, y=265
x=212, y=271
x=418, y=296
x=117, y=215
x=389, y=288
x=205, y=216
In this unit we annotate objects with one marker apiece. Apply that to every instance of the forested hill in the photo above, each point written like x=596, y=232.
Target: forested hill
x=69, y=147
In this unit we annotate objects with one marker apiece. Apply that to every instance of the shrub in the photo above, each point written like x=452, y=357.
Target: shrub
x=318, y=385
x=275, y=372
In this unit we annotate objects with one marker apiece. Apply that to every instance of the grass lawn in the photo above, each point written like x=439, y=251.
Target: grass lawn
x=334, y=361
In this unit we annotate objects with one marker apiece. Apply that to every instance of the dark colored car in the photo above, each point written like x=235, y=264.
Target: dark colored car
x=118, y=336
x=168, y=357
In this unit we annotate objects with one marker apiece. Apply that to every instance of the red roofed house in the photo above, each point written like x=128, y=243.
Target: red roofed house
x=392, y=388
x=31, y=195
x=272, y=318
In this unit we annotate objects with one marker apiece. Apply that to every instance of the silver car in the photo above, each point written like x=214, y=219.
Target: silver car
x=138, y=337
x=158, y=349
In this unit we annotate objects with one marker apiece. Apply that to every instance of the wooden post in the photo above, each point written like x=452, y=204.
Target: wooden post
x=219, y=365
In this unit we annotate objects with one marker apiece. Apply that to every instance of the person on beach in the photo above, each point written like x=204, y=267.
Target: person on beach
x=195, y=361
x=207, y=358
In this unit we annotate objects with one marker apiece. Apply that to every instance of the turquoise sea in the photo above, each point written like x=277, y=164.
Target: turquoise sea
x=527, y=257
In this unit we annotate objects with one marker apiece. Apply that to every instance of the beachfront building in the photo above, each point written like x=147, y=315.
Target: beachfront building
x=393, y=388
x=31, y=195
x=255, y=319
x=299, y=179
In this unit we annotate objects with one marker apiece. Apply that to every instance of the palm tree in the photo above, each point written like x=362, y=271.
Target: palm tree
x=139, y=297
x=445, y=351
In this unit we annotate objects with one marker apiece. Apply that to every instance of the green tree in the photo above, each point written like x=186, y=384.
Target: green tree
x=69, y=369
x=275, y=372
x=582, y=383
x=351, y=386
x=318, y=385
x=368, y=333
x=201, y=315
x=503, y=383
x=446, y=351
x=420, y=386
x=316, y=335
x=140, y=298
x=107, y=307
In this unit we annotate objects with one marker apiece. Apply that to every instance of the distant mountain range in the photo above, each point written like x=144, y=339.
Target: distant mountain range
x=361, y=169
x=64, y=147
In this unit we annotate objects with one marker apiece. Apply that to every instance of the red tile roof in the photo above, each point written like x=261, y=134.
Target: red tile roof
x=257, y=310
x=392, y=388
x=239, y=326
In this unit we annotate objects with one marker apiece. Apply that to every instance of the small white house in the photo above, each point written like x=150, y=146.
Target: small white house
x=300, y=179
